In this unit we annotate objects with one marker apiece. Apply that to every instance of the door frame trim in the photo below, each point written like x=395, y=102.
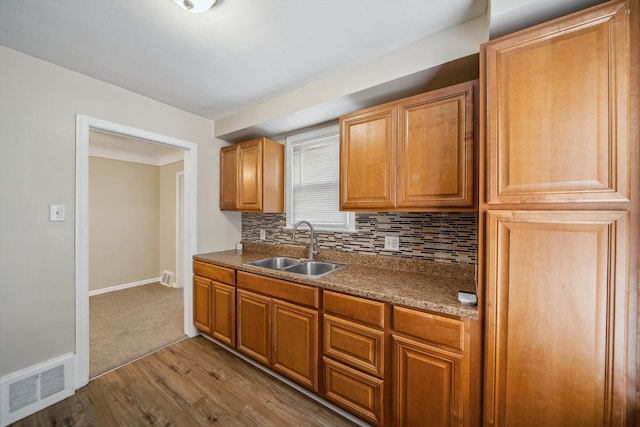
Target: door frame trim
x=84, y=124
x=180, y=230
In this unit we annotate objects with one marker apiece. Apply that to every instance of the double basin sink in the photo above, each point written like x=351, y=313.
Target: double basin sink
x=312, y=269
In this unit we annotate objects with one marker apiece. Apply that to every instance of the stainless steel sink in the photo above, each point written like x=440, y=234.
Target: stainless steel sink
x=305, y=268
x=314, y=268
x=275, y=263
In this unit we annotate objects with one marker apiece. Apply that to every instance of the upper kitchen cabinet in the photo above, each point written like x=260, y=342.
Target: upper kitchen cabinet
x=558, y=101
x=368, y=141
x=415, y=154
x=229, y=178
x=435, y=149
x=252, y=176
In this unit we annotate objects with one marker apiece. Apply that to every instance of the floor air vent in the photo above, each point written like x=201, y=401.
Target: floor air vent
x=167, y=278
x=32, y=389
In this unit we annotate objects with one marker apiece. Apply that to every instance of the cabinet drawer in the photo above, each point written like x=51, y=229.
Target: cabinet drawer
x=354, y=345
x=354, y=308
x=215, y=272
x=288, y=291
x=430, y=327
x=358, y=393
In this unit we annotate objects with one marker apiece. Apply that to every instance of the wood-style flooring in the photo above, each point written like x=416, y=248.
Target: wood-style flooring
x=191, y=383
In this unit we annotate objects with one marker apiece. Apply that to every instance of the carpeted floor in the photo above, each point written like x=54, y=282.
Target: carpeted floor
x=128, y=324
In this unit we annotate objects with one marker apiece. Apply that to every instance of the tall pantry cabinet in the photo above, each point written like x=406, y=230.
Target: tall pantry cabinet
x=560, y=113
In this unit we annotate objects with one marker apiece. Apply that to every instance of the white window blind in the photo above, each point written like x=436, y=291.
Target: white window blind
x=313, y=160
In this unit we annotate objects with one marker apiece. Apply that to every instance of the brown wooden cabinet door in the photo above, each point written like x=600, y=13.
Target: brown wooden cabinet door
x=254, y=326
x=272, y=176
x=223, y=318
x=557, y=331
x=202, y=304
x=558, y=110
x=229, y=178
x=250, y=175
x=427, y=385
x=295, y=343
x=368, y=141
x=436, y=149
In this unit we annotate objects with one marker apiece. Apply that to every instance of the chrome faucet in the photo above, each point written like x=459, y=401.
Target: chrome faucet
x=311, y=242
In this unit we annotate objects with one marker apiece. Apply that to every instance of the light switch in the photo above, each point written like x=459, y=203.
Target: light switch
x=56, y=212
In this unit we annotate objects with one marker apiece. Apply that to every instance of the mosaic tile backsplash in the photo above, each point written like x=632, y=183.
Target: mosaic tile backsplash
x=442, y=237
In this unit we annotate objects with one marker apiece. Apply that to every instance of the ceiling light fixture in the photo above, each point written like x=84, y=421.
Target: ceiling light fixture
x=196, y=6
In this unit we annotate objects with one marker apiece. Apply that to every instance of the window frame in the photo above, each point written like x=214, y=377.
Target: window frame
x=292, y=140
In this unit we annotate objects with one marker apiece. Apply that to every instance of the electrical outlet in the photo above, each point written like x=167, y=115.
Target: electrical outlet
x=262, y=234
x=392, y=243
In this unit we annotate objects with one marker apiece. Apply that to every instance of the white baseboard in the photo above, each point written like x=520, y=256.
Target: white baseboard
x=32, y=389
x=123, y=286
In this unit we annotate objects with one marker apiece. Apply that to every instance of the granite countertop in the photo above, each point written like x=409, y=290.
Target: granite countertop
x=419, y=284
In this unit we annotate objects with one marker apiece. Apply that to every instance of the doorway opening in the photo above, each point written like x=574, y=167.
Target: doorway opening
x=187, y=236
x=133, y=209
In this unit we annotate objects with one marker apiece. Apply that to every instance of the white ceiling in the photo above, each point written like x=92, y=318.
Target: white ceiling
x=243, y=53
x=216, y=63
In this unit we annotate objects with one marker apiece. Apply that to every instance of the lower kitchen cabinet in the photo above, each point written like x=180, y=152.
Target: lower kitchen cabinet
x=223, y=316
x=387, y=365
x=254, y=326
x=280, y=334
x=354, y=349
x=427, y=385
x=435, y=369
x=214, y=301
x=295, y=343
x=202, y=304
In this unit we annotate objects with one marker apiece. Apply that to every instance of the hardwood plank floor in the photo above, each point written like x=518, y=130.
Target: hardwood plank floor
x=191, y=383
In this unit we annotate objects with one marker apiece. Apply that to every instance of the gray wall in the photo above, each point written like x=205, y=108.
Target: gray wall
x=38, y=106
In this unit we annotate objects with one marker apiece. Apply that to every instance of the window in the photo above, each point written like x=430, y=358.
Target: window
x=313, y=180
